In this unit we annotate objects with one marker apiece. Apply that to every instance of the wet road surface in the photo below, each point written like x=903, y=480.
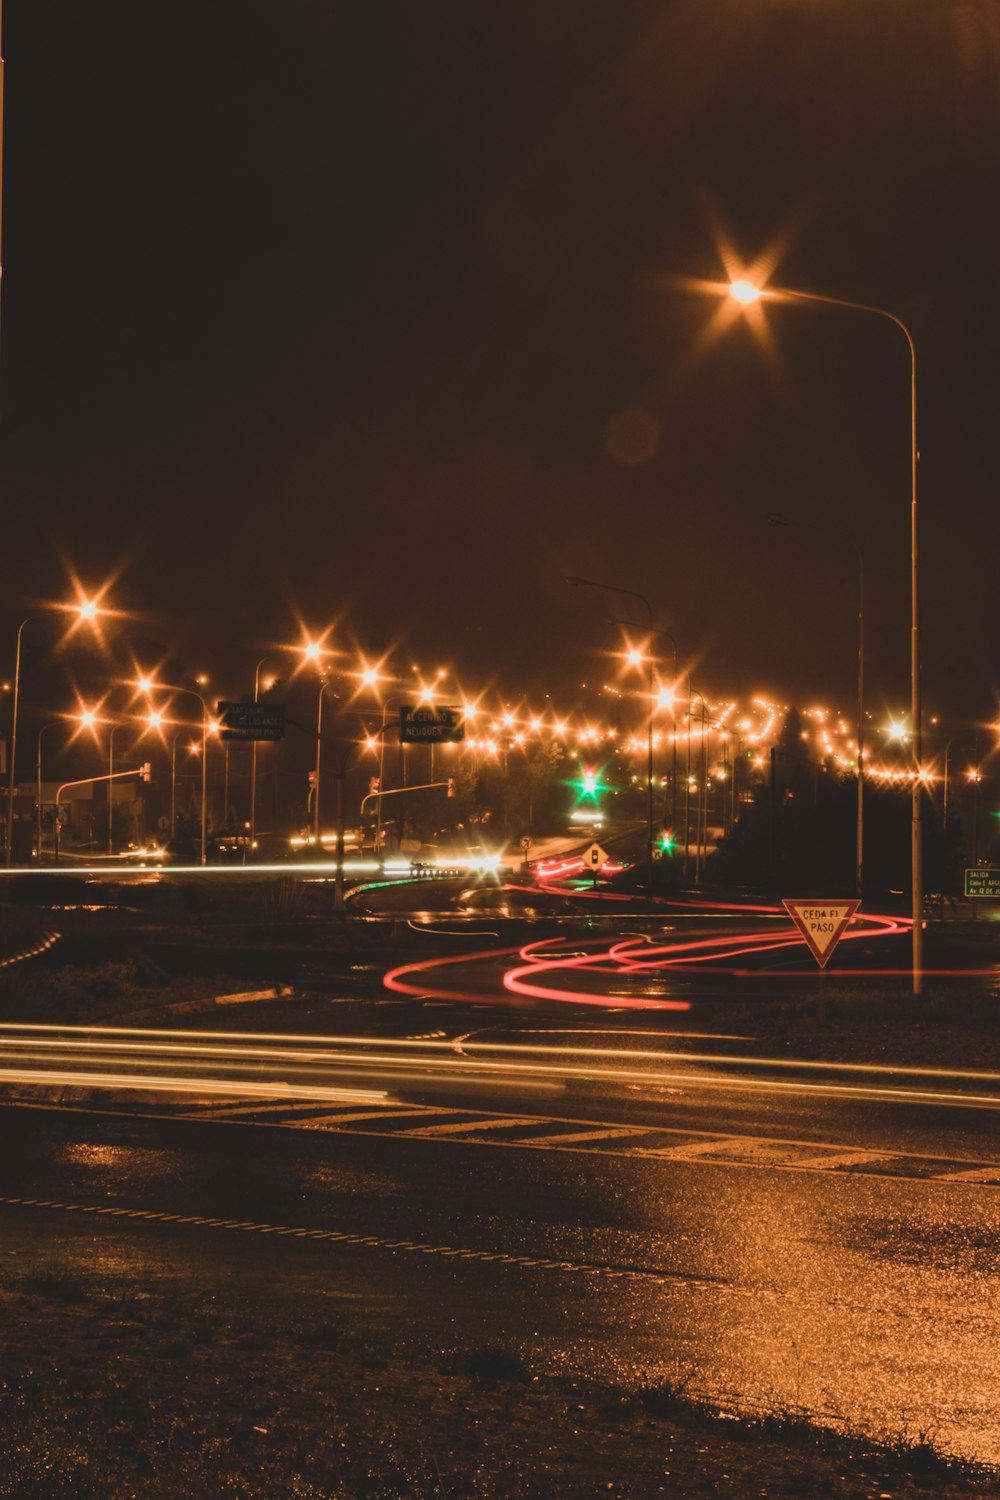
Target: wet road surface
x=864, y=1298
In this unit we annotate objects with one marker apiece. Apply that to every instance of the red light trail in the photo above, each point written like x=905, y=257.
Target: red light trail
x=630, y=957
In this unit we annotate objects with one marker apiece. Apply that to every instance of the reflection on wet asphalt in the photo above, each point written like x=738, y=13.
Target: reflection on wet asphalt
x=876, y=1302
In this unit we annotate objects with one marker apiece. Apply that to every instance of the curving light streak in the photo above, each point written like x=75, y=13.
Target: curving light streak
x=539, y=961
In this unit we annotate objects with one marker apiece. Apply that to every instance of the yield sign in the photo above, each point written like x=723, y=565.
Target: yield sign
x=821, y=923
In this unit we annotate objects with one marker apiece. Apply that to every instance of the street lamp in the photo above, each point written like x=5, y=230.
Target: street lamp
x=701, y=803
x=747, y=293
x=87, y=609
x=664, y=700
x=111, y=786
x=610, y=588
x=780, y=521
x=87, y=719
x=253, y=757
x=323, y=684
x=147, y=685
x=194, y=749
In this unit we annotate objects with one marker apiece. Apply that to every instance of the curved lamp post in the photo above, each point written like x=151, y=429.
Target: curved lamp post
x=746, y=292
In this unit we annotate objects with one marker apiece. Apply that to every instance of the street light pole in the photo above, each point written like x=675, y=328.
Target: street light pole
x=111, y=785
x=13, y=737
x=614, y=620
x=38, y=796
x=150, y=686
x=85, y=611
x=610, y=588
x=745, y=292
x=253, y=758
x=319, y=747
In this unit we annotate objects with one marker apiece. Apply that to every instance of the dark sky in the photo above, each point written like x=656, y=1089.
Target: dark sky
x=337, y=310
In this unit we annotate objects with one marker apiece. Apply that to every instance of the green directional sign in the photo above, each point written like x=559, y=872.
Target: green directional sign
x=251, y=721
x=430, y=726
x=983, y=883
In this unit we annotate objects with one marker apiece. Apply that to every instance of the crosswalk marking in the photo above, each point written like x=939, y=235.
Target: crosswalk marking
x=703, y=1148
x=641, y=1142
x=577, y=1137
x=251, y=1106
x=325, y=1121
x=831, y=1158
x=975, y=1174
x=456, y=1127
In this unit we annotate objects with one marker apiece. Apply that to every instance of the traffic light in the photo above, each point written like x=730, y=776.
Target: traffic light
x=451, y=786
x=146, y=770
x=373, y=785
x=312, y=779
x=588, y=786
x=668, y=842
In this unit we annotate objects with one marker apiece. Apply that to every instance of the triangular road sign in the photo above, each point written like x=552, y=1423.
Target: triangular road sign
x=821, y=923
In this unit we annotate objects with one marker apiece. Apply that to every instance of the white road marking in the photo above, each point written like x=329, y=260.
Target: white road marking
x=832, y=1157
x=577, y=1137
x=326, y=1122
x=456, y=1127
x=251, y=1106
x=976, y=1174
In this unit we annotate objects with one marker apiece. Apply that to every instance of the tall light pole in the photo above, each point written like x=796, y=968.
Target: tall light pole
x=614, y=620
x=111, y=785
x=611, y=588
x=779, y=521
x=323, y=682
x=687, y=800
x=193, y=748
x=746, y=292
x=253, y=757
x=38, y=778
x=147, y=685
x=87, y=609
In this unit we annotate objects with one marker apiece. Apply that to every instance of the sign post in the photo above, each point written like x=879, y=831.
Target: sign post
x=821, y=923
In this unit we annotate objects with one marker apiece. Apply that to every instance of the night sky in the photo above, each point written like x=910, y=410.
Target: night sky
x=380, y=314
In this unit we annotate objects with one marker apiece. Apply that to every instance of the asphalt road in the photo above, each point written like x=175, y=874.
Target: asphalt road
x=772, y=1252
x=620, y=1191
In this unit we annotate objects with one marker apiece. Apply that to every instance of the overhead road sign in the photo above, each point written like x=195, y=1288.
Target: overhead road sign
x=430, y=726
x=984, y=883
x=821, y=923
x=251, y=721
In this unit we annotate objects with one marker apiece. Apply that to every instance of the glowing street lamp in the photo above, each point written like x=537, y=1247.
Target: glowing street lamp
x=610, y=588
x=747, y=293
x=86, y=720
x=85, y=609
x=148, y=685
x=664, y=699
